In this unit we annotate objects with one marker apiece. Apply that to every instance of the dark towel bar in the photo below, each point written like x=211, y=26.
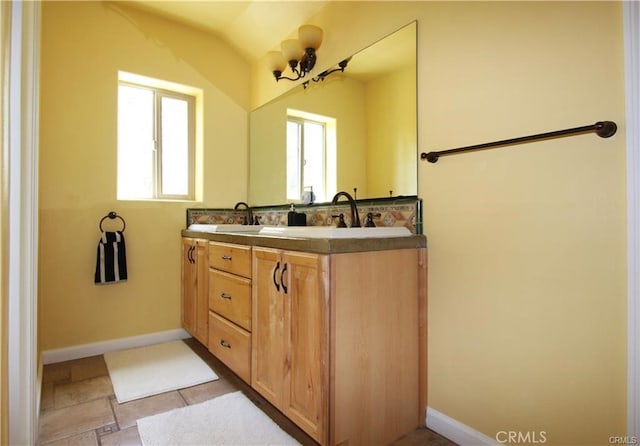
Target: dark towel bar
x=604, y=129
x=113, y=215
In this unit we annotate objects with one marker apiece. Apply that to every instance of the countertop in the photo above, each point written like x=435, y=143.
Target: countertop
x=316, y=245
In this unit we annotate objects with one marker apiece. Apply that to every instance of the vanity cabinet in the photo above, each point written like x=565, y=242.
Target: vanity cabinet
x=333, y=333
x=195, y=288
x=291, y=335
x=229, y=305
x=339, y=341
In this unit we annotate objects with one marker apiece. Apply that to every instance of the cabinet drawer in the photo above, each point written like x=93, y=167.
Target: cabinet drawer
x=230, y=296
x=231, y=345
x=235, y=259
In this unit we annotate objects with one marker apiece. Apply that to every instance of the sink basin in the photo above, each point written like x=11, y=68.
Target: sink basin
x=334, y=232
x=225, y=228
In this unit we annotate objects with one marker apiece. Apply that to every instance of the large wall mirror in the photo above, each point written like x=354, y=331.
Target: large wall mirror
x=354, y=129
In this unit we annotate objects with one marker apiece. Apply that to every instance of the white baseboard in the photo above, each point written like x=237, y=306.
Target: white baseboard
x=456, y=431
x=99, y=348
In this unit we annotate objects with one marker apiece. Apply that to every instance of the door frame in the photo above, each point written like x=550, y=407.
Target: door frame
x=631, y=20
x=20, y=222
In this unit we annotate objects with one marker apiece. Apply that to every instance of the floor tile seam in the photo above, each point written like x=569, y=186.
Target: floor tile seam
x=66, y=437
x=47, y=410
x=58, y=381
x=98, y=437
x=55, y=390
x=76, y=434
x=75, y=381
x=70, y=382
x=113, y=412
x=184, y=400
x=55, y=407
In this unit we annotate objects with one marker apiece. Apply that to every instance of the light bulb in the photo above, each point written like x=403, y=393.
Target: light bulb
x=291, y=50
x=276, y=61
x=310, y=36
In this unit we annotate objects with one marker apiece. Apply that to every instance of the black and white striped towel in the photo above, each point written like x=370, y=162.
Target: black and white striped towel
x=111, y=264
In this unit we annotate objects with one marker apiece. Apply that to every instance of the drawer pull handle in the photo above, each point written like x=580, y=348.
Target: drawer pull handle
x=275, y=273
x=226, y=257
x=225, y=295
x=224, y=343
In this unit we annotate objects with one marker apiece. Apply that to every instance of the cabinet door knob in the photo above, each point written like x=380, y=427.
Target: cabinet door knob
x=275, y=273
x=224, y=343
x=225, y=295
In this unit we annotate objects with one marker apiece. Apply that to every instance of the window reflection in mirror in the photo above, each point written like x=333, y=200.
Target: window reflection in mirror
x=374, y=148
x=310, y=155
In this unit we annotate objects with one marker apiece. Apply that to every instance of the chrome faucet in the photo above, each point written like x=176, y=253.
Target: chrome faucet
x=355, y=217
x=248, y=219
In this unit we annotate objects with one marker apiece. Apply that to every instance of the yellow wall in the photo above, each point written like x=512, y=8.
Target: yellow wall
x=391, y=141
x=528, y=257
x=527, y=270
x=84, y=44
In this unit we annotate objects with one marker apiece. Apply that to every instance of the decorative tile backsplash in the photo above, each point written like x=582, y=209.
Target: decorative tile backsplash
x=394, y=211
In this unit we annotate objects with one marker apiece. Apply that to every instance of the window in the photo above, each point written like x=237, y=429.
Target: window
x=310, y=144
x=156, y=143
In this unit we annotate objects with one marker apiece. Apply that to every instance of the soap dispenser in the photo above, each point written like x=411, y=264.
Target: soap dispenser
x=291, y=216
x=296, y=218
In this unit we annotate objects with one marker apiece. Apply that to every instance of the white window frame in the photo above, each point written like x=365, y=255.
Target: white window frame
x=160, y=93
x=300, y=122
x=328, y=188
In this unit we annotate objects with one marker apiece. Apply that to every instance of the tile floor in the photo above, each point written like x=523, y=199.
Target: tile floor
x=78, y=406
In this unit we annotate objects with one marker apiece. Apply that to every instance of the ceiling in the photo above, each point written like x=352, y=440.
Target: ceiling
x=251, y=27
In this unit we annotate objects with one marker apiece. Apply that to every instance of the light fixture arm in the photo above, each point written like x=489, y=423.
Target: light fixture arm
x=278, y=75
x=306, y=64
x=320, y=77
x=341, y=66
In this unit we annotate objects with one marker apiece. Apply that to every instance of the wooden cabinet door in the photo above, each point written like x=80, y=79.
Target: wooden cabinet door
x=188, y=295
x=267, y=354
x=201, y=325
x=306, y=328
x=290, y=359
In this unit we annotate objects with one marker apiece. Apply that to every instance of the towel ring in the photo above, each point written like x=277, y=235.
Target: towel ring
x=112, y=215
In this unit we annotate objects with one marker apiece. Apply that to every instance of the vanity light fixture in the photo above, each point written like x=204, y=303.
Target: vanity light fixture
x=299, y=53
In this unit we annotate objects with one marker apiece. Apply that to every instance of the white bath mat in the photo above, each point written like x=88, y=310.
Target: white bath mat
x=229, y=419
x=145, y=371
